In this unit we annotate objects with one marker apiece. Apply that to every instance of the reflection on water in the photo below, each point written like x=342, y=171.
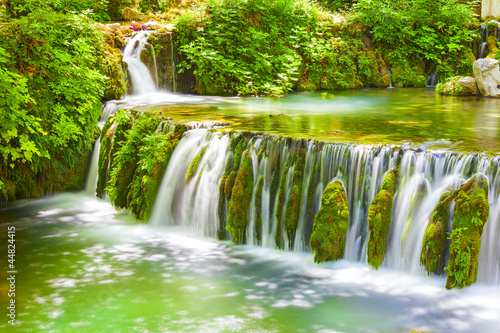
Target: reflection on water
x=85, y=268
x=363, y=116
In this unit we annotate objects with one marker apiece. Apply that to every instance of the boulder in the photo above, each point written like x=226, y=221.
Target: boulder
x=458, y=86
x=487, y=76
x=152, y=25
x=130, y=14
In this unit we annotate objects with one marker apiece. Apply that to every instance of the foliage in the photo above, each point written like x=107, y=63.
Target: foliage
x=95, y=9
x=436, y=32
x=248, y=47
x=52, y=68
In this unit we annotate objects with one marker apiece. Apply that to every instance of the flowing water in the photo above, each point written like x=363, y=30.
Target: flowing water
x=83, y=267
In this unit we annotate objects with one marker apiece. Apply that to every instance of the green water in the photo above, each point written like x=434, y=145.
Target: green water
x=83, y=267
x=381, y=116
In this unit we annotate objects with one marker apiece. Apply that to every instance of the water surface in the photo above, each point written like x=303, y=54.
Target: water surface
x=83, y=267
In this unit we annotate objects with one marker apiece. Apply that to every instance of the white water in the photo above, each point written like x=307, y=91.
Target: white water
x=142, y=82
x=361, y=169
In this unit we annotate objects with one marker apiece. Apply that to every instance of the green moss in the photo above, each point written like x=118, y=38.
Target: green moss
x=434, y=244
x=228, y=186
x=280, y=214
x=258, y=210
x=331, y=223
x=241, y=197
x=292, y=211
x=154, y=156
x=380, y=217
x=415, y=203
x=492, y=46
x=469, y=217
x=126, y=159
x=193, y=166
x=104, y=156
x=372, y=70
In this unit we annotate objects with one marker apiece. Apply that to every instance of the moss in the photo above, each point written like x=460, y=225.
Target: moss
x=492, y=46
x=104, y=156
x=112, y=139
x=469, y=217
x=280, y=205
x=241, y=197
x=115, y=85
x=372, y=70
x=258, y=210
x=126, y=159
x=434, y=243
x=154, y=156
x=327, y=241
x=380, y=217
x=292, y=211
x=415, y=203
x=193, y=166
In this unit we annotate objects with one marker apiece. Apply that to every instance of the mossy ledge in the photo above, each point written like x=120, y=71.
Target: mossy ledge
x=330, y=224
x=380, y=217
x=469, y=217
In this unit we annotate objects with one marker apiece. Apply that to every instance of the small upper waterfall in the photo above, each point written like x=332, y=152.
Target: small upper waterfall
x=190, y=192
x=142, y=82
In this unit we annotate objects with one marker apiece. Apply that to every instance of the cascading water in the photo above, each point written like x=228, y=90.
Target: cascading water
x=361, y=168
x=142, y=81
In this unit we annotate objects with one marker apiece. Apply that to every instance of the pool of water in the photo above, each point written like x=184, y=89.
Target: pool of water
x=83, y=267
x=409, y=115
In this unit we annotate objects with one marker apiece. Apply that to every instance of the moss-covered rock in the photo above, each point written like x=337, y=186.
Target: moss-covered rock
x=113, y=137
x=154, y=155
x=432, y=256
x=292, y=211
x=280, y=205
x=331, y=223
x=380, y=217
x=241, y=197
x=126, y=159
x=458, y=86
x=258, y=210
x=193, y=166
x=469, y=217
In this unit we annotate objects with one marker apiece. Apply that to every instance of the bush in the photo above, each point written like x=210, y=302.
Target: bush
x=52, y=82
x=246, y=47
x=435, y=32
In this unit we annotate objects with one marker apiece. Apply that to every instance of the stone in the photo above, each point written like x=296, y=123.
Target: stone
x=458, y=86
x=490, y=8
x=152, y=25
x=487, y=76
x=113, y=26
x=130, y=14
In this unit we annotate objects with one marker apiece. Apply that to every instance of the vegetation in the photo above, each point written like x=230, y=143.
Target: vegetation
x=53, y=69
x=380, y=218
x=241, y=197
x=330, y=224
x=469, y=217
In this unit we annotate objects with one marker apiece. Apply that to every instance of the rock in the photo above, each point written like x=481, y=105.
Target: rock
x=458, y=86
x=327, y=240
x=113, y=26
x=152, y=25
x=136, y=26
x=380, y=217
x=487, y=76
x=130, y=14
x=470, y=214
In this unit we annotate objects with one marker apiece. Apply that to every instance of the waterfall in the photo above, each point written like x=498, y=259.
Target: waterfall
x=482, y=51
x=108, y=109
x=142, y=82
x=432, y=80
x=193, y=200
